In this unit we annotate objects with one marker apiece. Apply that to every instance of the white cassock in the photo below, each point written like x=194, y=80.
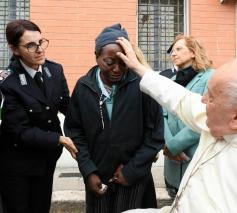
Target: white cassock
x=209, y=183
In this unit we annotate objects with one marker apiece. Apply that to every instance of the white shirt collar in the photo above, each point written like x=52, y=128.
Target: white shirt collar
x=231, y=138
x=31, y=71
x=101, y=85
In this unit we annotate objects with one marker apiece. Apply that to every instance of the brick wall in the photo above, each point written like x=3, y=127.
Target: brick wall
x=72, y=25
x=214, y=26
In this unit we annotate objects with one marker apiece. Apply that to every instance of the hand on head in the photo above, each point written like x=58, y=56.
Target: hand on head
x=130, y=58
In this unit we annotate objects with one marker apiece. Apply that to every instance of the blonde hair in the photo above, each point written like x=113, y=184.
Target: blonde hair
x=140, y=56
x=200, y=61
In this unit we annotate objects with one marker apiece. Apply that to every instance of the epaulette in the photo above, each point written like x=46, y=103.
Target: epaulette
x=4, y=74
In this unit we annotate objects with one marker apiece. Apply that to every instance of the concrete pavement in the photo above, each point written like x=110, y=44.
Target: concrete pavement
x=69, y=191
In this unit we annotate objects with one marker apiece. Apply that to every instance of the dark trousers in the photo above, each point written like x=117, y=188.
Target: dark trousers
x=119, y=198
x=27, y=194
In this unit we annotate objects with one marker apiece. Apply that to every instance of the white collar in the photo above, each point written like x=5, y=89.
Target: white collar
x=31, y=71
x=231, y=138
x=101, y=85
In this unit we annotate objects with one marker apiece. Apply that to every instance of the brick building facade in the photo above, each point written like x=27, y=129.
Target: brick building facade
x=72, y=25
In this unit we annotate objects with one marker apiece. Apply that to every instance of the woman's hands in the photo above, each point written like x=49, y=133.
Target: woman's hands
x=69, y=145
x=118, y=177
x=95, y=185
x=180, y=157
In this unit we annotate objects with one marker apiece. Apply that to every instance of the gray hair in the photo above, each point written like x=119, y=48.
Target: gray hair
x=231, y=93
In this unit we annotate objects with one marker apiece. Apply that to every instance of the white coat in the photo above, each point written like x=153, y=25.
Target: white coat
x=209, y=183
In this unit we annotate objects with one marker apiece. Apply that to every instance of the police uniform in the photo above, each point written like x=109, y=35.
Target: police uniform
x=3, y=75
x=31, y=130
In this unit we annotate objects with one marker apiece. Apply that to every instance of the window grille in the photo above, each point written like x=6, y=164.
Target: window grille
x=159, y=21
x=10, y=10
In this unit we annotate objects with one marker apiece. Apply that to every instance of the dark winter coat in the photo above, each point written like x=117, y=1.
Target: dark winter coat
x=30, y=125
x=132, y=137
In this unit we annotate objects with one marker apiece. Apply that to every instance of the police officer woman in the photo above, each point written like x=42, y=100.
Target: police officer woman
x=35, y=91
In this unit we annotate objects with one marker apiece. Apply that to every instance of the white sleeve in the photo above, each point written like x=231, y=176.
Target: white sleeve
x=163, y=90
x=176, y=99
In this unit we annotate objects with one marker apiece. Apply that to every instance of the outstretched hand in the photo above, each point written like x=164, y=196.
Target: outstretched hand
x=69, y=145
x=130, y=58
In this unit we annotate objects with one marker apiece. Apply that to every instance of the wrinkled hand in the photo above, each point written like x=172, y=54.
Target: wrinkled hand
x=180, y=157
x=94, y=184
x=118, y=177
x=69, y=145
x=130, y=58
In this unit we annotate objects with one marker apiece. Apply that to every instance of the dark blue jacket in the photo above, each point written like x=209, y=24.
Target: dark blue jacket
x=30, y=125
x=132, y=137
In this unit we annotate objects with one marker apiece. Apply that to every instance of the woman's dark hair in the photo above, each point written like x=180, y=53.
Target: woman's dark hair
x=15, y=29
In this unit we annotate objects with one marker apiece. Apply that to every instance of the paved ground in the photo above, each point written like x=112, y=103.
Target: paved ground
x=68, y=190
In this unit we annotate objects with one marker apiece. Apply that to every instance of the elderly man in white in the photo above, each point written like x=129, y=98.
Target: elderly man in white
x=209, y=184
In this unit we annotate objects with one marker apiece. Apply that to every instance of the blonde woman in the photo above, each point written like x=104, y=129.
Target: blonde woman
x=193, y=71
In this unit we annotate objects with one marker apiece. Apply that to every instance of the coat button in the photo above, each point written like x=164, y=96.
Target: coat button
x=49, y=121
x=47, y=107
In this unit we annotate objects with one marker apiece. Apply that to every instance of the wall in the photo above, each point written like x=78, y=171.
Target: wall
x=214, y=26
x=72, y=25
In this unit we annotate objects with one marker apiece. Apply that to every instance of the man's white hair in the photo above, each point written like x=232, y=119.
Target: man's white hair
x=231, y=93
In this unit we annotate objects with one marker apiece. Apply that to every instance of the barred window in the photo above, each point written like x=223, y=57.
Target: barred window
x=159, y=21
x=10, y=10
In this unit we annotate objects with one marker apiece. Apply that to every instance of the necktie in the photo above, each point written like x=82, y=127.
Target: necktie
x=39, y=82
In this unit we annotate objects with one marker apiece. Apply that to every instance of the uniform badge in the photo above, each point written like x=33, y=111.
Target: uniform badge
x=48, y=73
x=23, y=79
x=4, y=74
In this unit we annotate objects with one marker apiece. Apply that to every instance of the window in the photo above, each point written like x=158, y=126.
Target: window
x=10, y=10
x=159, y=21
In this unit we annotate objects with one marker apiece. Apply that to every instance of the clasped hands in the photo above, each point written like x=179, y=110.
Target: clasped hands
x=180, y=157
x=95, y=185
